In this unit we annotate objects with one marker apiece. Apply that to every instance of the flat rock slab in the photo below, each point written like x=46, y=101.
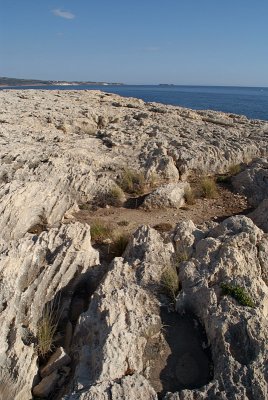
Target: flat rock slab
x=59, y=359
x=46, y=386
x=171, y=195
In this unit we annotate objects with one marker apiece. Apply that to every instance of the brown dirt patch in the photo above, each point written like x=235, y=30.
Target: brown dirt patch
x=126, y=219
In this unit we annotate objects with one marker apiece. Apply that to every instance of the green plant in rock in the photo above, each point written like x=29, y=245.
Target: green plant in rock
x=238, y=293
x=100, y=231
x=209, y=188
x=132, y=182
x=46, y=329
x=170, y=281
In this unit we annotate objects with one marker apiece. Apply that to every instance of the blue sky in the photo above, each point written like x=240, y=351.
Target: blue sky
x=206, y=42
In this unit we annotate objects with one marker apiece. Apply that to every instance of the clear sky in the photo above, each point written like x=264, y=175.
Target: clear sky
x=198, y=42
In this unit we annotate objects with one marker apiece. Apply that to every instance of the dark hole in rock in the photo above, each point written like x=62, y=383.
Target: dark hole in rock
x=135, y=202
x=180, y=358
x=238, y=338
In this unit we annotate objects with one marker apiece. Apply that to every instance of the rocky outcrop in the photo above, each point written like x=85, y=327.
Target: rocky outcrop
x=171, y=195
x=63, y=150
x=253, y=183
x=231, y=253
x=113, y=334
x=35, y=272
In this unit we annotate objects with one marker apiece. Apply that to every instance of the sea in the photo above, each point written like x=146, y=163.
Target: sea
x=249, y=101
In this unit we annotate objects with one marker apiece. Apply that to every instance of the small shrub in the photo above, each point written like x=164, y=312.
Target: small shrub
x=189, y=196
x=99, y=231
x=132, y=182
x=119, y=245
x=234, y=169
x=115, y=196
x=238, y=293
x=209, y=188
x=46, y=329
x=170, y=281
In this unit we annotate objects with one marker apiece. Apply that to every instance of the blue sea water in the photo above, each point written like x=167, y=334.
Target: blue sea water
x=249, y=101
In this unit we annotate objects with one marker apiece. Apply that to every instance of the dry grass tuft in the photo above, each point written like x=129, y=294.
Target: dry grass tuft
x=46, y=330
x=100, y=231
x=115, y=196
x=189, y=196
x=209, y=188
x=234, y=169
x=170, y=282
x=132, y=182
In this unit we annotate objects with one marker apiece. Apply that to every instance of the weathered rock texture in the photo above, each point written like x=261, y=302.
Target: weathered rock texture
x=111, y=336
x=113, y=333
x=171, y=195
x=62, y=149
x=253, y=183
x=35, y=271
x=59, y=148
x=233, y=252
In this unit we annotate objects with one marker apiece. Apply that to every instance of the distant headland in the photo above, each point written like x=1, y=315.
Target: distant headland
x=5, y=81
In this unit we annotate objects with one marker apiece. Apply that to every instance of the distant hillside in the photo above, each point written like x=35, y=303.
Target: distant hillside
x=4, y=81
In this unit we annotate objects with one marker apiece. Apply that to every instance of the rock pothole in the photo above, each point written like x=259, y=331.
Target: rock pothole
x=180, y=358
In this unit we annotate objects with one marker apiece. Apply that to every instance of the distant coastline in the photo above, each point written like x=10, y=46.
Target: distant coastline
x=7, y=82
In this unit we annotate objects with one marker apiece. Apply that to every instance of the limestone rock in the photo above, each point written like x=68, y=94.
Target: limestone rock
x=34, y=272
x=229, y=253
x=46, y=386
x=128, y=388
x=171, y=195
x=260, y=215
x=253, y=181
x=59, y=359
x=111, y=335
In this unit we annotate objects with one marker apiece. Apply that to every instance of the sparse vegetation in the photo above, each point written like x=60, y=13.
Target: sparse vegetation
x=119, y=244
x=238, y=293
x=100, y=231
x=132, y=182
x=170, y=281
x=46, y=330
x=115, y=196
x=234, y=169
x=209, y=188
x=189, y=196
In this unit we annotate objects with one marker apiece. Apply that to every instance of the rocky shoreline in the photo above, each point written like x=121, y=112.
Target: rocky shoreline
x=173, y=308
